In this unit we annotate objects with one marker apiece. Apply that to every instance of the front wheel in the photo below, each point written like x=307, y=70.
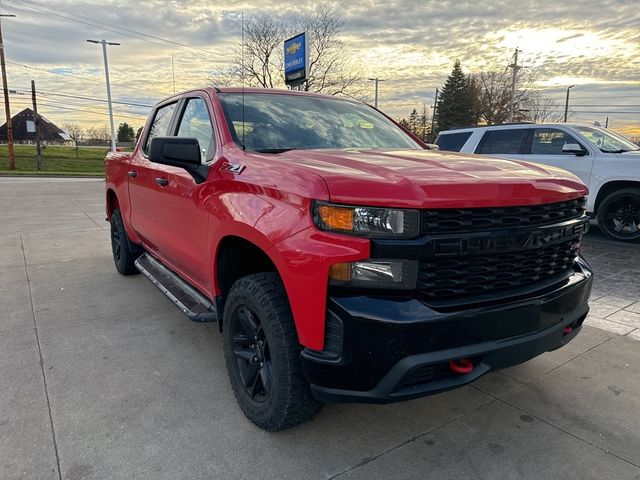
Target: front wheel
x=619, y=215
x=262, y=354
x=124, y=252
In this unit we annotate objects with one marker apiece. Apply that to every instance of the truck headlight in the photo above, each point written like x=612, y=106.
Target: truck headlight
x=372, y=222
x=375, y=273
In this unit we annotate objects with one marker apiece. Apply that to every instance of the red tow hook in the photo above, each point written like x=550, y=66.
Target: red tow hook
x=568, y=329
x=463, y=365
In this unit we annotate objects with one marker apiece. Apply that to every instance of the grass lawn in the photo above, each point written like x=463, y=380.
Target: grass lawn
x=56, y=160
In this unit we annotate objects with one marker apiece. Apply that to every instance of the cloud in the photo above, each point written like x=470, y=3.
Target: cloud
x=412, y=44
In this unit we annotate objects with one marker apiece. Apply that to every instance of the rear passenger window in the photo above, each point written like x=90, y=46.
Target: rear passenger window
x=160, y=125
x=503, y=141
x=549, y=141
x=452, y=142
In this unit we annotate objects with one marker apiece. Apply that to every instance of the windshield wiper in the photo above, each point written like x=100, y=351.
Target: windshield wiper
x=272, y=150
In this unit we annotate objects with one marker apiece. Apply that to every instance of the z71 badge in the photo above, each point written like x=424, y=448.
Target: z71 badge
x=236, y=168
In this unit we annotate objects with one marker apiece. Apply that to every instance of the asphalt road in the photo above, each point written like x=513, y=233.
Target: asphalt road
x=101, y=377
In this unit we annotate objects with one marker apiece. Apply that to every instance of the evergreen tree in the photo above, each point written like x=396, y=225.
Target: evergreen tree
x=414, y=121
x=126, y=133
x=405, y=123
x=455, y=103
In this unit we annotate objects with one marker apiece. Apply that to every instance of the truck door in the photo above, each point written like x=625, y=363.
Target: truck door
x=183, y=221
x=143, y=179
x=546, y=148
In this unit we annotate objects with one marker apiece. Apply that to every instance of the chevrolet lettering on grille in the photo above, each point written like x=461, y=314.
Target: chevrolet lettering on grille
x=476, y=245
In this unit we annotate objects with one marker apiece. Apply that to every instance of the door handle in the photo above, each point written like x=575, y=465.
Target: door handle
x=132, y=174
x=163, y=182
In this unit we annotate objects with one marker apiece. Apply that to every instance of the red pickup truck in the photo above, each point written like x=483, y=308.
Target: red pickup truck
x=342, y=260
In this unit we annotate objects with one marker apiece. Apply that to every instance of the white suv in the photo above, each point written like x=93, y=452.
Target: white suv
x=606, y=162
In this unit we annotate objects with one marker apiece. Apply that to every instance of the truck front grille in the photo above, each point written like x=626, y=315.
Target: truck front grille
x=450, y=278
x=458, y=220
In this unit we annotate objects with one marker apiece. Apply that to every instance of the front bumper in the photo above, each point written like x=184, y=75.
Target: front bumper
x=385, y=349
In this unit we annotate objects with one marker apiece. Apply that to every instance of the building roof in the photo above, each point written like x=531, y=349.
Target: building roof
x=23, y=128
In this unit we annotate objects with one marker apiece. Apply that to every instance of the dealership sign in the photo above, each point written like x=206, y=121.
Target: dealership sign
x=296, y=59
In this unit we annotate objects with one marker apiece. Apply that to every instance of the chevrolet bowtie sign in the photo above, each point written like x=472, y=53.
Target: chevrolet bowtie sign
x=296, y=59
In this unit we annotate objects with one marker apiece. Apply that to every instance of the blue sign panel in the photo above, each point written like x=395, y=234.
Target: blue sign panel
x=295, y=59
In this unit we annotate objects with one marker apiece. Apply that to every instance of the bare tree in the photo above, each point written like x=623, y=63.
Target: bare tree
x=76, y=134
x=540, y=108
x=330, y=71
x=259, y=62
x=492, y=92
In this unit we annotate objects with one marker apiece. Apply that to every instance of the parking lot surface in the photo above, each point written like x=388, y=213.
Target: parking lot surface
x=101, y=377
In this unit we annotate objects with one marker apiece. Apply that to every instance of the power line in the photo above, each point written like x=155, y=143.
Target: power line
x=107, y=26
x=84, y=97
x=60, y=106
x=80, y=77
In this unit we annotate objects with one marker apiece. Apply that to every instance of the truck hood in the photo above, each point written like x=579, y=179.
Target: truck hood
x=434, y=179
x=631, y=154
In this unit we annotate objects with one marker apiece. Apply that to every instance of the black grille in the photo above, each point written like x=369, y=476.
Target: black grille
x=451, y=278
x=460, y=220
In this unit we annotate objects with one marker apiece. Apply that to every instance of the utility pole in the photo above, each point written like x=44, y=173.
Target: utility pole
x=36, y=121
x=515, y=67
x=104, y=44
x=5, y=88
x=433, y=118
x=566, y=103
x=376, y=81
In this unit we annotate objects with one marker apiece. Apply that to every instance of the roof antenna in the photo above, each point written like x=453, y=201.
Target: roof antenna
x=242, y=78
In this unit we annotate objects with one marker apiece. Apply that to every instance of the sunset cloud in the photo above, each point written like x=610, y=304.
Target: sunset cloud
x=411, y=44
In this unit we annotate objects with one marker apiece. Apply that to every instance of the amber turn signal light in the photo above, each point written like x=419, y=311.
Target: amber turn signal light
x=336, y=218
x=340, y=272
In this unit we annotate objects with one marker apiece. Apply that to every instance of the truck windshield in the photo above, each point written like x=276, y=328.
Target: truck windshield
x=274, y=123
x=606, y=140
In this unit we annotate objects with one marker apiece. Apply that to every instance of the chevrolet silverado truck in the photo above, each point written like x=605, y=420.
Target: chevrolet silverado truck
x=342, y=260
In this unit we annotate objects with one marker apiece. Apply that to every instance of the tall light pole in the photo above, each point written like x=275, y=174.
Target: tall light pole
x=566, y=104
x=106, y=74
x=375, y=99
x=5, y=87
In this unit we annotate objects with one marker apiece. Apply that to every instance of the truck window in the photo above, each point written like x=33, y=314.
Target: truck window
x=452, y=142
x=196, y=123
x=276, y=122
x=549, y=141
x=508, y=141
x=160, y=124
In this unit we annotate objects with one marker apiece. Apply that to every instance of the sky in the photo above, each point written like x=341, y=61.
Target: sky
x=411, y=44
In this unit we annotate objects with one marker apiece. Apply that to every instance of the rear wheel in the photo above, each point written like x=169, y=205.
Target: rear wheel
x=124, y=252
x=619, y=215
x=262, y=354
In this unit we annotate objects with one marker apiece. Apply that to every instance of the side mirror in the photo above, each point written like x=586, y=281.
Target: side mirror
x=175, y=151
x=574, y=149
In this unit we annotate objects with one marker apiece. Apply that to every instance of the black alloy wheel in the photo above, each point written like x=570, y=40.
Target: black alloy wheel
x=619, y=215
x=262, y=354
x=251, y=350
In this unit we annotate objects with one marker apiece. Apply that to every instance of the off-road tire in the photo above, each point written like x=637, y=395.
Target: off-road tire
x=124, y=251
x=624, y=204
x=289, y=401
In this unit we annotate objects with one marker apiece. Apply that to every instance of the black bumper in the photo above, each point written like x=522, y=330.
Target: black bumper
x=384, y=349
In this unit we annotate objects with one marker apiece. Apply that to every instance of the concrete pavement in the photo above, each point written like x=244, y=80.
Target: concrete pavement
x=101, y=377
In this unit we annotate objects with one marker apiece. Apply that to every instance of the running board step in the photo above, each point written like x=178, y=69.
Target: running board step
x=195, y=305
